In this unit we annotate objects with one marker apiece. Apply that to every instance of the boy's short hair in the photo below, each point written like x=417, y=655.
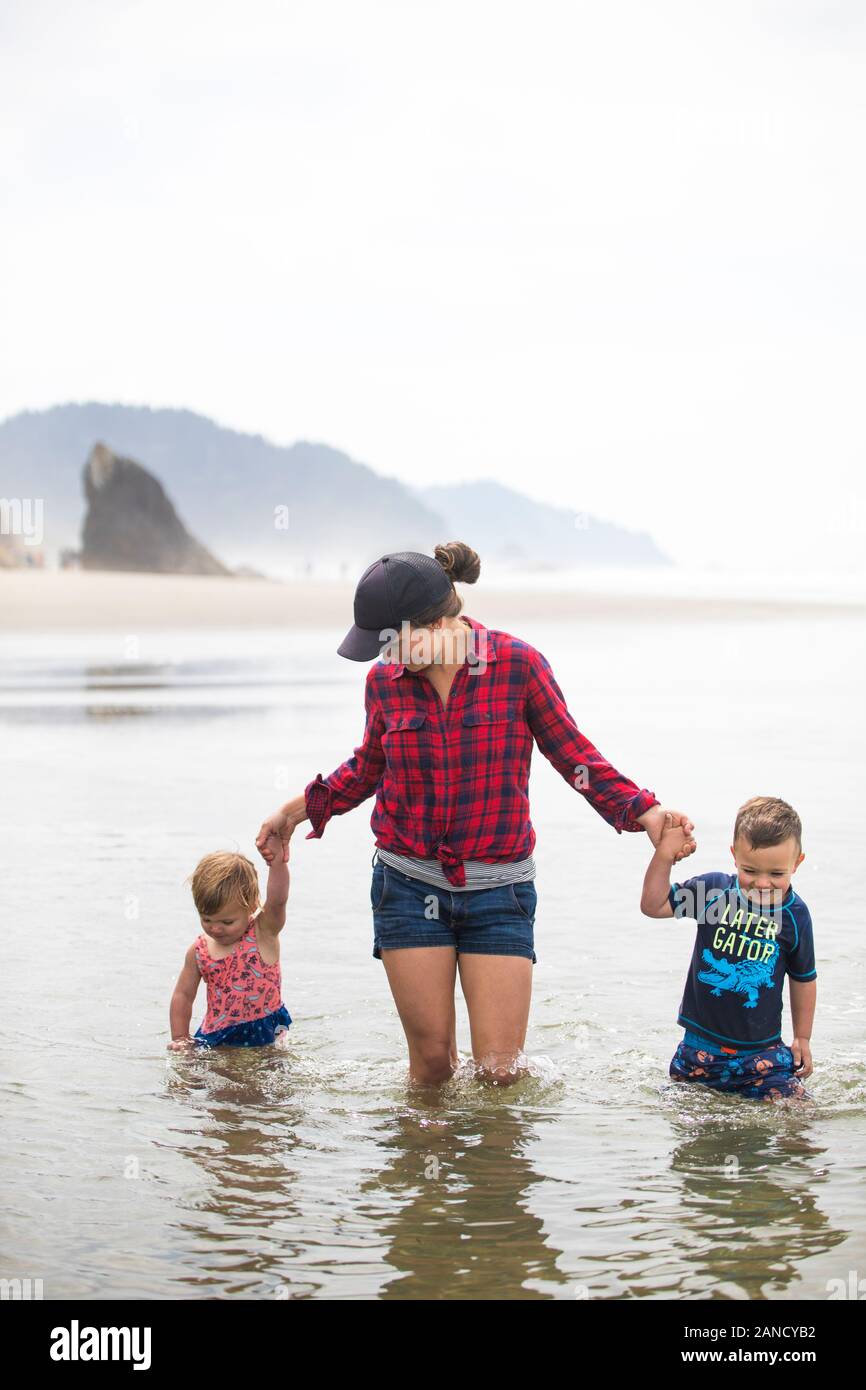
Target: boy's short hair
x=221, y=878
x=767, y=820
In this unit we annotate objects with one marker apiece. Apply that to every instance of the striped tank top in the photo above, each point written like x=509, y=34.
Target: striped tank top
x=479, y=874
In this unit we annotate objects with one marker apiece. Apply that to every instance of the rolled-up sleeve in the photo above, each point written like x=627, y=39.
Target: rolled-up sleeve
x=317, y=800
x=355, y=779
x=616, y=798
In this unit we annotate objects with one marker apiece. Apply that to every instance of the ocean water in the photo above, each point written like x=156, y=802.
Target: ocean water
x=844, y=585
x=316, y=1171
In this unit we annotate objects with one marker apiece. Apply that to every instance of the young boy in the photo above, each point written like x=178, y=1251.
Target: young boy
x=753, y=929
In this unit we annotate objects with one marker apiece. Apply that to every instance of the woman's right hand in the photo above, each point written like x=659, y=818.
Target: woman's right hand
x=278, y=826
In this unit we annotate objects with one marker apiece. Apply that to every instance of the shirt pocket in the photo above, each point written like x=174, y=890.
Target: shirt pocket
x=406, y=745
x=493, y=712
x=493, y=732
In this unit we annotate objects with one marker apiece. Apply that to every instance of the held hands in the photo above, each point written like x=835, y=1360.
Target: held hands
x=274, y=851
x=670, y=833
x=273, y=838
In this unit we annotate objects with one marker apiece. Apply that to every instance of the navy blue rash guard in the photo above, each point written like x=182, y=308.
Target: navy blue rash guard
x=742, y=953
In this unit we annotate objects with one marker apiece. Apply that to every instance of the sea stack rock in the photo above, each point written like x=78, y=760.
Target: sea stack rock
x=131, y=523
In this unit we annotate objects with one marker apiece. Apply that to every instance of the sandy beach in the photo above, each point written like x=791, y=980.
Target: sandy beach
x=63, y=601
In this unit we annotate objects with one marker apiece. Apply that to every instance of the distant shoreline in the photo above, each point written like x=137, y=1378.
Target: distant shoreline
x=79, y=601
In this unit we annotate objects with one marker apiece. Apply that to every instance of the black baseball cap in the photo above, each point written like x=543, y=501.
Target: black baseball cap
x=390, y=590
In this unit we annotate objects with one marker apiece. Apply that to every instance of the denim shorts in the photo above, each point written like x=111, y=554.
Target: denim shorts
x=479, y=921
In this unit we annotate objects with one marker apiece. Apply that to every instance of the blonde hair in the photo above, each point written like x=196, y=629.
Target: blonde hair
x=767, y=820
x=222, y=878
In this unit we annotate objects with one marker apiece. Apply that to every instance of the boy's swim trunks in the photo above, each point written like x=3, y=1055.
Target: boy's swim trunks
x=765, y=1074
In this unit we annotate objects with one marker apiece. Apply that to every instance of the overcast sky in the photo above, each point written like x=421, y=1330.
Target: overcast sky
x=611, y=254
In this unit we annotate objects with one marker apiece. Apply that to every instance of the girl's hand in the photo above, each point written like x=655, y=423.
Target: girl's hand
x=273, y=849
x=655, y=823
x=275, y=834
x=181, y=1044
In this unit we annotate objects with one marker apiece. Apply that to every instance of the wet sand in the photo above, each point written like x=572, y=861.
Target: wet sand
x=52, y=601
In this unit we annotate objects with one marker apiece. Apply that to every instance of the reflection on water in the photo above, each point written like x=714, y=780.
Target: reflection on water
x=315, y=1171
x=449, y=1198
x=750, y=1207
x=445, y=1208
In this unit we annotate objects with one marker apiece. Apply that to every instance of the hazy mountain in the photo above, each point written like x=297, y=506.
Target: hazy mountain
x=234, y=492
x=509, y=528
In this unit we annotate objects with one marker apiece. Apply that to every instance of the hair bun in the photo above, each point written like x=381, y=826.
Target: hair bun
x=459, y=561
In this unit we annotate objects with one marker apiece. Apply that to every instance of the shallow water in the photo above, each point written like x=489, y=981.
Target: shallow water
x=315, y=1171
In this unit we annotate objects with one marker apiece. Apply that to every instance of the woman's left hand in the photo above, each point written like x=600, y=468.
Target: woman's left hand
x=653, y=822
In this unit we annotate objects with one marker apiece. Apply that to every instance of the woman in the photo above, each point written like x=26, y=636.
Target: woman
x=452, y=710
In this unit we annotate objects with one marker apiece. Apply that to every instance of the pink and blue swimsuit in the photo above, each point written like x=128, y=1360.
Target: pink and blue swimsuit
x=244, y=996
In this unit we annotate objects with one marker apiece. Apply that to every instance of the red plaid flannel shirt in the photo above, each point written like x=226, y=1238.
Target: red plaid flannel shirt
x=451, y=781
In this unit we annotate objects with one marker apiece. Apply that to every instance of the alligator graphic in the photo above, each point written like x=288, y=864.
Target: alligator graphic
x=740, y=977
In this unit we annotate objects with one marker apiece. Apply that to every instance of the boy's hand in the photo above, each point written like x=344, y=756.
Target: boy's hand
x=657, y=818
x=671, y=841
x=181, y=1044
x=802, y=1057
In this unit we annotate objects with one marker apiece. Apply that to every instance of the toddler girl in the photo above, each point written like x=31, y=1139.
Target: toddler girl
x=237, y=955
